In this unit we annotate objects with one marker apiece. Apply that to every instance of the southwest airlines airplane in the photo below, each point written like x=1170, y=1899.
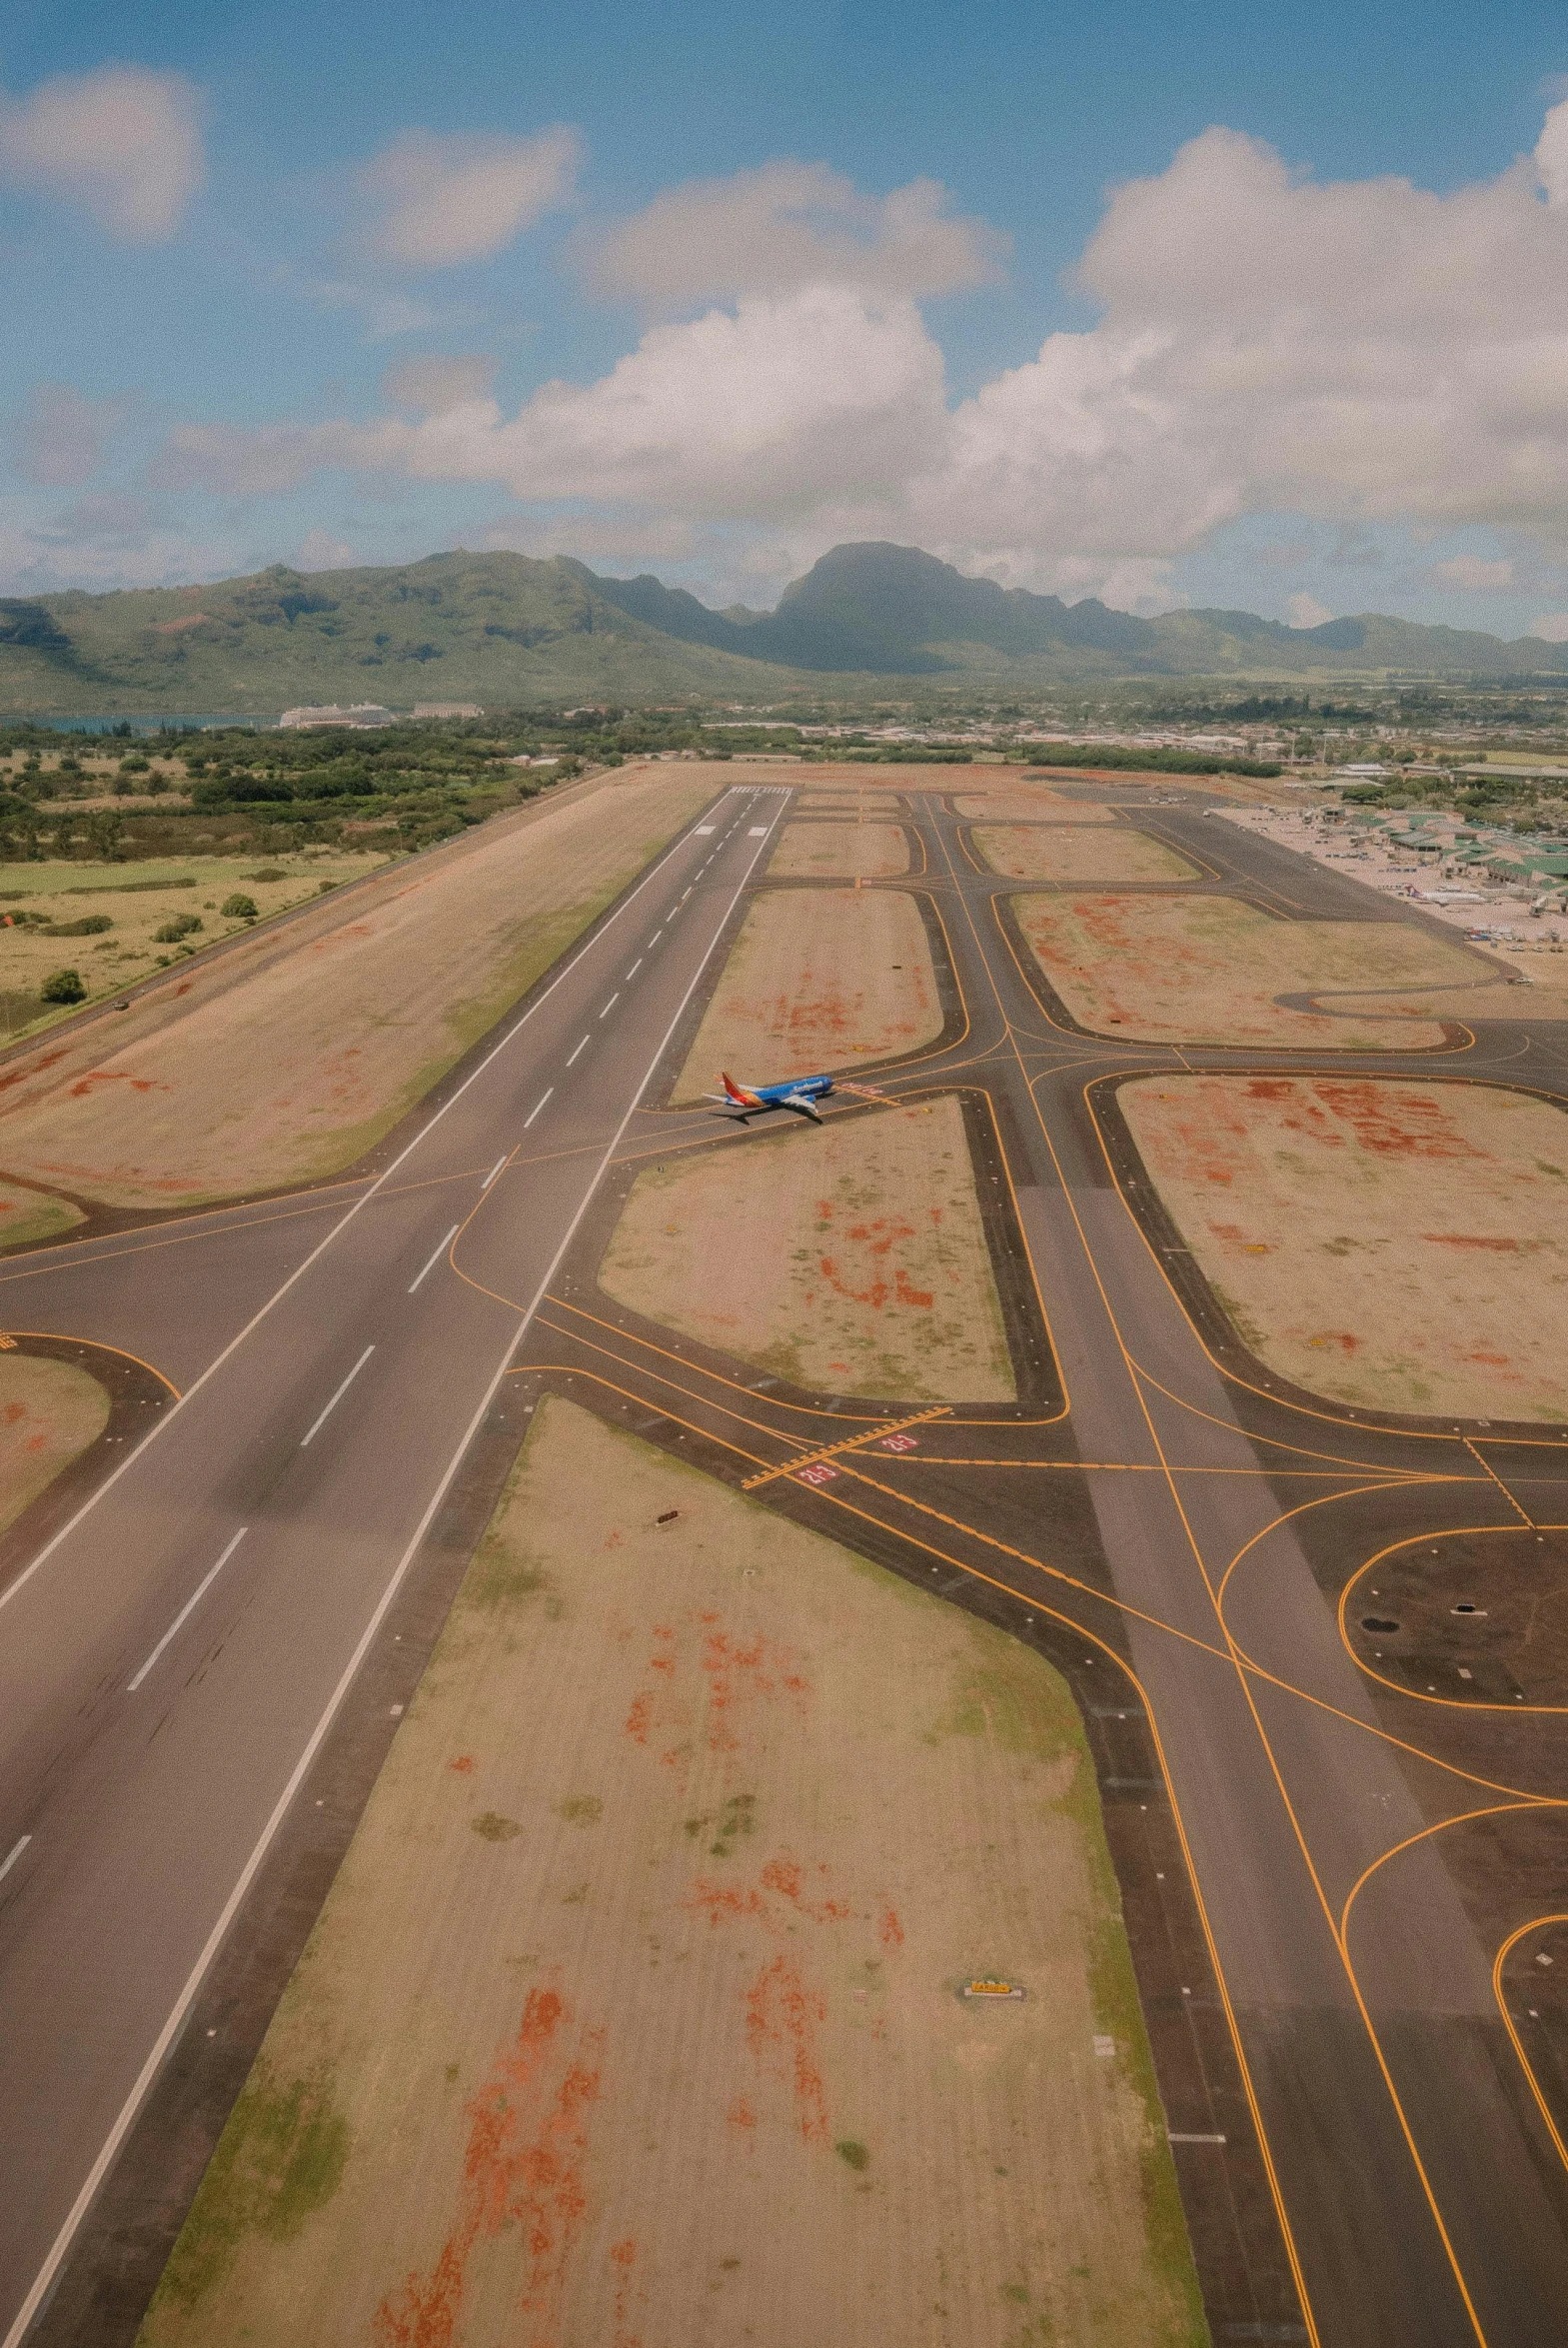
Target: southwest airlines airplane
x=802, y=1094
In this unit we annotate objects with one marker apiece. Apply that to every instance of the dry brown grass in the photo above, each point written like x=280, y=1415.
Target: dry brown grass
x=1490, y=996
x=865, y=852
x=244, y=1075
x=1202, y=969
x=849, y=1258
x=631, y=2019
x=139, y=898
x=49, y=1412
x=1391, y=1244
x=1061, y=852
x=818, y=978
x=1020, y=802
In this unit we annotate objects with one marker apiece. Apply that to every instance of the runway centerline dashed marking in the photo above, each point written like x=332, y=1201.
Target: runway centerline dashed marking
x=200, y=1591
x=576, y=1048
x=494, y=1169
x=611, y=1005
x=537, y=1106
x=436, y=1255
x=337, y=1398
x=13, y=1854
x=654, y=941
x=636, y=966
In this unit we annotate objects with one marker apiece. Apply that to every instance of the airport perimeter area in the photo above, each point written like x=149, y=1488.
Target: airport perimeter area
x=627, y=1725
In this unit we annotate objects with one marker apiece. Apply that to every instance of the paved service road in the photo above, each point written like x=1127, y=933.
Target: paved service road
x=169, y=1663
x=1311, y=1862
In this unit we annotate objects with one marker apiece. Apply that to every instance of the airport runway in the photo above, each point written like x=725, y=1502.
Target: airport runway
x=1363, y=2159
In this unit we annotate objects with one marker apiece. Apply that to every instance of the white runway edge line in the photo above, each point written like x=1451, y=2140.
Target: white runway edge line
x=189, y=1607
x=337, y=1398
x=125, y=2117
x=537, y=1106
x=15, y=1589
x=13, y=1854
x=436, y=1255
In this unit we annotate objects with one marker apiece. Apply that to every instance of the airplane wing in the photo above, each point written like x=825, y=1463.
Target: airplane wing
x=805, y=1104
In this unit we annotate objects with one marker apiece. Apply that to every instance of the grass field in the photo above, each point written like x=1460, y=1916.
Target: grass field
x=728, y=1816
x=32, y=1215
x=850, y=1260
x=1395, y=1246
x=1210, y=969
x=867, y=851
x=138, y=900
x=234, y=1078
x=49, y=1412
x=818, y=978
x=1018, y=803
x=1062, y=852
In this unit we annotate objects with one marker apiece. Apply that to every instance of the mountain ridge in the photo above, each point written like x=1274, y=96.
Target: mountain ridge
x=503, y=628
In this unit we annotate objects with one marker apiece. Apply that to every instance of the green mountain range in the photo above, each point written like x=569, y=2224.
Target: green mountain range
x=505, y=630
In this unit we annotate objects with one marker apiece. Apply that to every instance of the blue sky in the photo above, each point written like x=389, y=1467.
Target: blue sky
x=1255, y=306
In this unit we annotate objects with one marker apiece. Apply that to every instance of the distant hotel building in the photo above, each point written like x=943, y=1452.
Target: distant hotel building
x=360, y=712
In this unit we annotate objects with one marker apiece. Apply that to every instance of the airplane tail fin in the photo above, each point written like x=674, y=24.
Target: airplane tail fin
x=733, y=1090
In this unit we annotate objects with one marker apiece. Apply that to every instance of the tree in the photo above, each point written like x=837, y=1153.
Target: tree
x=238, y=907
x=63, y=987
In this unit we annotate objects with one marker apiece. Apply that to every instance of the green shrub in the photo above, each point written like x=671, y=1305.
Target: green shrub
x=238, y=907
x=268, y=873
x=86, y=925
x=180, y=926
x=63, y=987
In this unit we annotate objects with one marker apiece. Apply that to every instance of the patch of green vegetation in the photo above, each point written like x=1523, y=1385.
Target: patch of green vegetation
x=1003, y=1692
x=853, y=2154
x=491, y=1826
x=40, y=1219
x=737, y=1817
x=580, y=1809
x=279, y=2160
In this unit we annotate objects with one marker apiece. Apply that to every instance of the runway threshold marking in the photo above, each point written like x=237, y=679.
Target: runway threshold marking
x=13, y=1854
x=337, y=1398
x=436, y=1255
x=537, y=1106
x=868, y=1434
x=191, y=1603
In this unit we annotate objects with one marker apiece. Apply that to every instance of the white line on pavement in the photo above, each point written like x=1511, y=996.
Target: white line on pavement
x=537, y=1106
x=14, y=1853
x=576, y=1048
x=611, y=1005
x=494, y=1169
x=654, y=941
x=338, y=1396
x=201, y=1589
x=636, y=966
x=435, y=1257
x=167, y=1418
x=125, y=2118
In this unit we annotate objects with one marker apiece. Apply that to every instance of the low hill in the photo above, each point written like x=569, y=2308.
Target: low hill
x=505, y=630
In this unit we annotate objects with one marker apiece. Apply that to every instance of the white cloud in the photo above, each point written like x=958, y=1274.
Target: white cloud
x=430, y=384
x=1475, y=574
x=124, y=142
x=1306, y=612
x=319, y=551
x=787, y=225
x=1363, y=353
x=59, y=439
x=448, y=200
x=1552, y=628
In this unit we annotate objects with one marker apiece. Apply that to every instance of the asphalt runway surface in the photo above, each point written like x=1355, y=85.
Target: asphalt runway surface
x=1368, y=2125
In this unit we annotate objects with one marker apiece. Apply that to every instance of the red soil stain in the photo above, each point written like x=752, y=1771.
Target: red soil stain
x=723, y=1903
x=464, y=1765
x=33, y=1068
x=781, y=2020
x=522, y=2172
x=623, y=2257
x=1466, y=1240
x=1491, y=1361
x=1341, y=1337
x=892, y=1930
x=740, y=2114
x=104, y=1076
x=640, y=1719
x=13, y=1411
